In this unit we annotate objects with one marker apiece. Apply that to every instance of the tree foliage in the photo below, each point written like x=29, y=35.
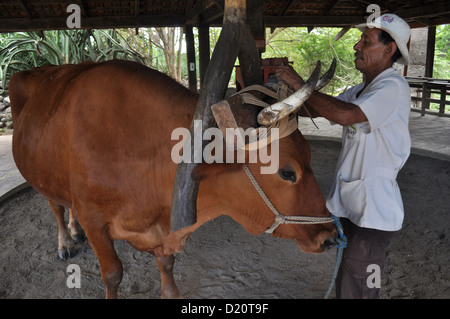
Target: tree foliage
x=441, y=69
x=305, y=49
x=162, y=48
x=25, y=50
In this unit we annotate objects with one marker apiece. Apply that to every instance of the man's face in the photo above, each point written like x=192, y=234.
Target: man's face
x=370, y=52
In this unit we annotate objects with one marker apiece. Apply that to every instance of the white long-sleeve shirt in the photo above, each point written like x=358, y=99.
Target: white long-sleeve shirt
x=365, y=189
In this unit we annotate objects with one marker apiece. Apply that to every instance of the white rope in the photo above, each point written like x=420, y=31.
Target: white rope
x=280, y=218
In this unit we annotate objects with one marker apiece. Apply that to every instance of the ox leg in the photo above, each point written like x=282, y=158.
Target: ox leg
x=75, y=229
x=66, y=247
x=168, y=287
x=110, y=264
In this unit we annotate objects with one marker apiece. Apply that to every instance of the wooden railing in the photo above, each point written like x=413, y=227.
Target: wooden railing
x=421, y=94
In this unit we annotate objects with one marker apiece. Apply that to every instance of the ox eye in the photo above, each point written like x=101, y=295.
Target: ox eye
x=288, y=174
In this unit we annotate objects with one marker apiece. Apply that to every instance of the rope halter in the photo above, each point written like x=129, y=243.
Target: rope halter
x=280, y=218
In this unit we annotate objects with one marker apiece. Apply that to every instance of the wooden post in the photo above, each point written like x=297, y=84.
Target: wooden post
x=217, y=76
x=443, y=99
x=431, y=42
x=190, y=50
x=425, y=104
x=255, y=20
x=203, y=51
x=249, y=59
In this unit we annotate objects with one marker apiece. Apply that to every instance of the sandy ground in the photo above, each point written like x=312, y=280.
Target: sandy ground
x=222, y=260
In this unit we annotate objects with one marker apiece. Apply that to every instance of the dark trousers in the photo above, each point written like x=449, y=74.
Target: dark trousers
x=362, y=261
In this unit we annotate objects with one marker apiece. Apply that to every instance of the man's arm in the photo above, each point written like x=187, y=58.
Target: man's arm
x=310, y=113
x=323, y=105
x=336, y=110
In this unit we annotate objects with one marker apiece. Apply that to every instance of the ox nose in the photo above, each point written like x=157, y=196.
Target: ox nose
x=329, y=243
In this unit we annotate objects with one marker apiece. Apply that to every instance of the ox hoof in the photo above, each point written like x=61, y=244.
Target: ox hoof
x=65, y=254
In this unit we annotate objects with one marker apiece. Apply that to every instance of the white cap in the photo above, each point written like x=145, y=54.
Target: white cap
x=397, y=28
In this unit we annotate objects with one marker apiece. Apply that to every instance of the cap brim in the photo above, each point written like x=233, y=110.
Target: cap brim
x=361, y=27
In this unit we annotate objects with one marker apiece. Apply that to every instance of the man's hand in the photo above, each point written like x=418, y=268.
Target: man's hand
x=322, y=105
x=287, y=74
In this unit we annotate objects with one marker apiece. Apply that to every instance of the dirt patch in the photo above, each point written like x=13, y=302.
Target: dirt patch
x=222, y=260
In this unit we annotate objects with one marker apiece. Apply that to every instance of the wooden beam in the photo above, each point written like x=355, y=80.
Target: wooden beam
x=211, y=15
x=249, y=58
x=192, y=15
x=431, y=42
x=342, y=33
x=250, y=64
x=136, y=7
x=203, y=51
x=255, y=19
x=426, y=11
x=330, y=6
x=286, y=8
x=190, y=52
x=425, y=21
x=85, y=9
x=141, y=21
x=318, y=21
x=184, y=201
x=25, y=8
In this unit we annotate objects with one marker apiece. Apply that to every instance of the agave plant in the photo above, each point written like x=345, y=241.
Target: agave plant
x=24, y=50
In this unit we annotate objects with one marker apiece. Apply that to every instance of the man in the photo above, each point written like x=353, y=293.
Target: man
x=375, y=146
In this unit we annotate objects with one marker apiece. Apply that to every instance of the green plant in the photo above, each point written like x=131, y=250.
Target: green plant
x=24, y=50
x=304, y=48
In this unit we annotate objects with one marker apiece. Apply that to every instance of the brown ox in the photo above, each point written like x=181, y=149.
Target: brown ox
x=96, y=138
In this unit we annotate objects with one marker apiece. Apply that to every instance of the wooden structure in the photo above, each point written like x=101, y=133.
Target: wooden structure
x=21, y=15
x=33, y=15
x=423, y=88
x=235, y=40
x=268, y=67
x=244, y=24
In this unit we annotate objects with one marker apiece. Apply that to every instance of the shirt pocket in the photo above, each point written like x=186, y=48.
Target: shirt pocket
x=353, y=195
x=354, y=131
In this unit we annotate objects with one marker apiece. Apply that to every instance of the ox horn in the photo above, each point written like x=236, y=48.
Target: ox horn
x=290, y=104
x=326, y=78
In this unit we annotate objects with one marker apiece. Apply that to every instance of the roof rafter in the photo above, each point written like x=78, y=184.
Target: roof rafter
x=21, y=15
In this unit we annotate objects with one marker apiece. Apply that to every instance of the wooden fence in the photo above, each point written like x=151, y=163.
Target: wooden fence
x=424, y=91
